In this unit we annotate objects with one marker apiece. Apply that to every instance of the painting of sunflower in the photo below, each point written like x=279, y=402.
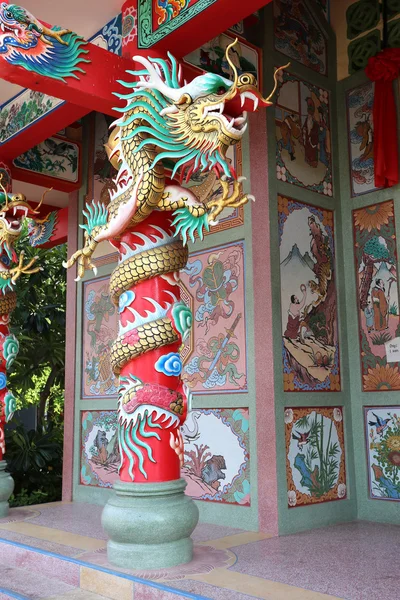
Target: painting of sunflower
x=373, y=217
x=382, y=426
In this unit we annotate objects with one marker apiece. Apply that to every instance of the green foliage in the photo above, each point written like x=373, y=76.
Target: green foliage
x=317, y=324
x=379, y=339
x=34, y=459
x=394, y=309
x=376, y=249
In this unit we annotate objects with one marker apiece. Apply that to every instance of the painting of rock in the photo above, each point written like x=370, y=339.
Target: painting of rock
x=99, y=330
x=382, y=426
x=360, y=122
x=217, y=459
x=298, y=35
x=215, y=279
x=377, y=293
x=315, y=460
x=100, y=456
x=303, y=135
x=310, y=348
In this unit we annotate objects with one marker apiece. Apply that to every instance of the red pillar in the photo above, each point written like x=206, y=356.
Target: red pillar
x=152, y=320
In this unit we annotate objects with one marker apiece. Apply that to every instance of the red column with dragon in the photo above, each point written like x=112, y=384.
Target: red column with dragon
x=182, y=128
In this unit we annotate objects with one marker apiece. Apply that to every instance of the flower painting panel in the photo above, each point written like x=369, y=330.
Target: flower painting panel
x=361, y=138
x=99, y=331
x=211, y=57
x=215, y=279
x=315, y=460
x=377, y=293
x=303, y=135
x=382, y=425
x=217, y=460
x=308, y=297
x=298, y=35
x=55, y=157
x=100, y=458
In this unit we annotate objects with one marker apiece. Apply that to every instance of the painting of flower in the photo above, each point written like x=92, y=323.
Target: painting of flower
x=382, y=427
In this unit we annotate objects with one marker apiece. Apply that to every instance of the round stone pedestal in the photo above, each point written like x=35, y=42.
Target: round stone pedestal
x=149, y=525
x=6, y=489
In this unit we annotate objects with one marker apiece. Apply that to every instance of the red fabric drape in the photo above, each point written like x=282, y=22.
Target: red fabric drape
x=384, y=68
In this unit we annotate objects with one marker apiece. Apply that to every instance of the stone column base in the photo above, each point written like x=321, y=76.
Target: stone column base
x=6, y=489
x=149, y=525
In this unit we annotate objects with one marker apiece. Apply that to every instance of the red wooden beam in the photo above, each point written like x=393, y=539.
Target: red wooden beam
x=211, y=22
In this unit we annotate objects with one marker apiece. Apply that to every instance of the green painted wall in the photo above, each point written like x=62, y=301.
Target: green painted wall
x=367, y=509
x=319, y=515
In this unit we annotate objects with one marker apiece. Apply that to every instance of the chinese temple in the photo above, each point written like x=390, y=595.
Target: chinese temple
x=224, y=176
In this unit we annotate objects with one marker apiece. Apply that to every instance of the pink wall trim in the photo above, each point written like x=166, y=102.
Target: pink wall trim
x=264, y=356
x=70, y=349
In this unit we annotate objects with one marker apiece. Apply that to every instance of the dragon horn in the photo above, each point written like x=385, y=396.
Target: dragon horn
x=267, y=100
x=229, y=61
x=41, y=200
x=4, y=190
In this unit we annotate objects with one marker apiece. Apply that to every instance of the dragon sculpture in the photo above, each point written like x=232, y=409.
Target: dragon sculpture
x=186, y=128
x=26, y=42
x=13, y=210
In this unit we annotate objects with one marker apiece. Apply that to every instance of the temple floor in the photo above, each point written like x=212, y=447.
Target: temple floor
x=58, y=551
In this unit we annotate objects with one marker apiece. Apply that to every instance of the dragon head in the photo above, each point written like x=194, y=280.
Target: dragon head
x=18, y=28
x=193, y=124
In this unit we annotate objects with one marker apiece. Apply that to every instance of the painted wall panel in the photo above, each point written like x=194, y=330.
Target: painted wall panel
x=100, y=456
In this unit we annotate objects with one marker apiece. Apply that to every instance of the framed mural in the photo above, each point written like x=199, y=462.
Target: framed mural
x=377, y=293
x=100, y=456
x=56, y=157
x=211, y=57
x=303, y=135
x=216, y=280
x=99, y=330
x=360, y=124
x=315, y=457
x=298, y=35
x=217, y=458
x=310, y=347
x=382, y=428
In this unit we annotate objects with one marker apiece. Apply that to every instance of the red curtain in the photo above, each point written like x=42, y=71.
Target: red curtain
x=384, y=68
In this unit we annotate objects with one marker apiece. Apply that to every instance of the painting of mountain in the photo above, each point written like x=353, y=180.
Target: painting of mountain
x=378, y=296
x=310, y=348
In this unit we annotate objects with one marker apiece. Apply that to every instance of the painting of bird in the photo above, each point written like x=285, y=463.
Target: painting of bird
x=380, y=424
x=302, y=438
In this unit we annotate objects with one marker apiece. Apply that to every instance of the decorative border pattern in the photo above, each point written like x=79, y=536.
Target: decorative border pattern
x=147, y=37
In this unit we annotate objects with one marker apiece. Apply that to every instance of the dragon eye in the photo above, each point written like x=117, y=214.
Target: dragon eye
x=8, y=14
x=221, y=90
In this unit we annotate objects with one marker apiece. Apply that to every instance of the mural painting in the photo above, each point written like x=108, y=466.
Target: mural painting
x=361, y=138
x=315, y=461
x=378, y=299
x=308, y=297
x=110, y=36
x=215, y=279
x=100, y=456
x=55, y=157
x=99, y=330
x=102, y=172
x=303, y=137
x=217, y=460
x=298, y=35
x=211, y=57
x=382, y=425
x=167, y=10
x=231, y=217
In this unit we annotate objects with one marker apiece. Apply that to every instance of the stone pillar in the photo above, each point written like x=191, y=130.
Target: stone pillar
x=150, y=519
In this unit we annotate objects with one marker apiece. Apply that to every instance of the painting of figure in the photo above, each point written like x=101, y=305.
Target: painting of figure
x=303, y=136
x=217, y=460
x=99, y=331
x=211, y=57
x=315, y=460
x=308, y=297
x=298, y=35
x=360, y=122
x=378, y=295
x=382, y=427
x=215, y=280
x=100, y=456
